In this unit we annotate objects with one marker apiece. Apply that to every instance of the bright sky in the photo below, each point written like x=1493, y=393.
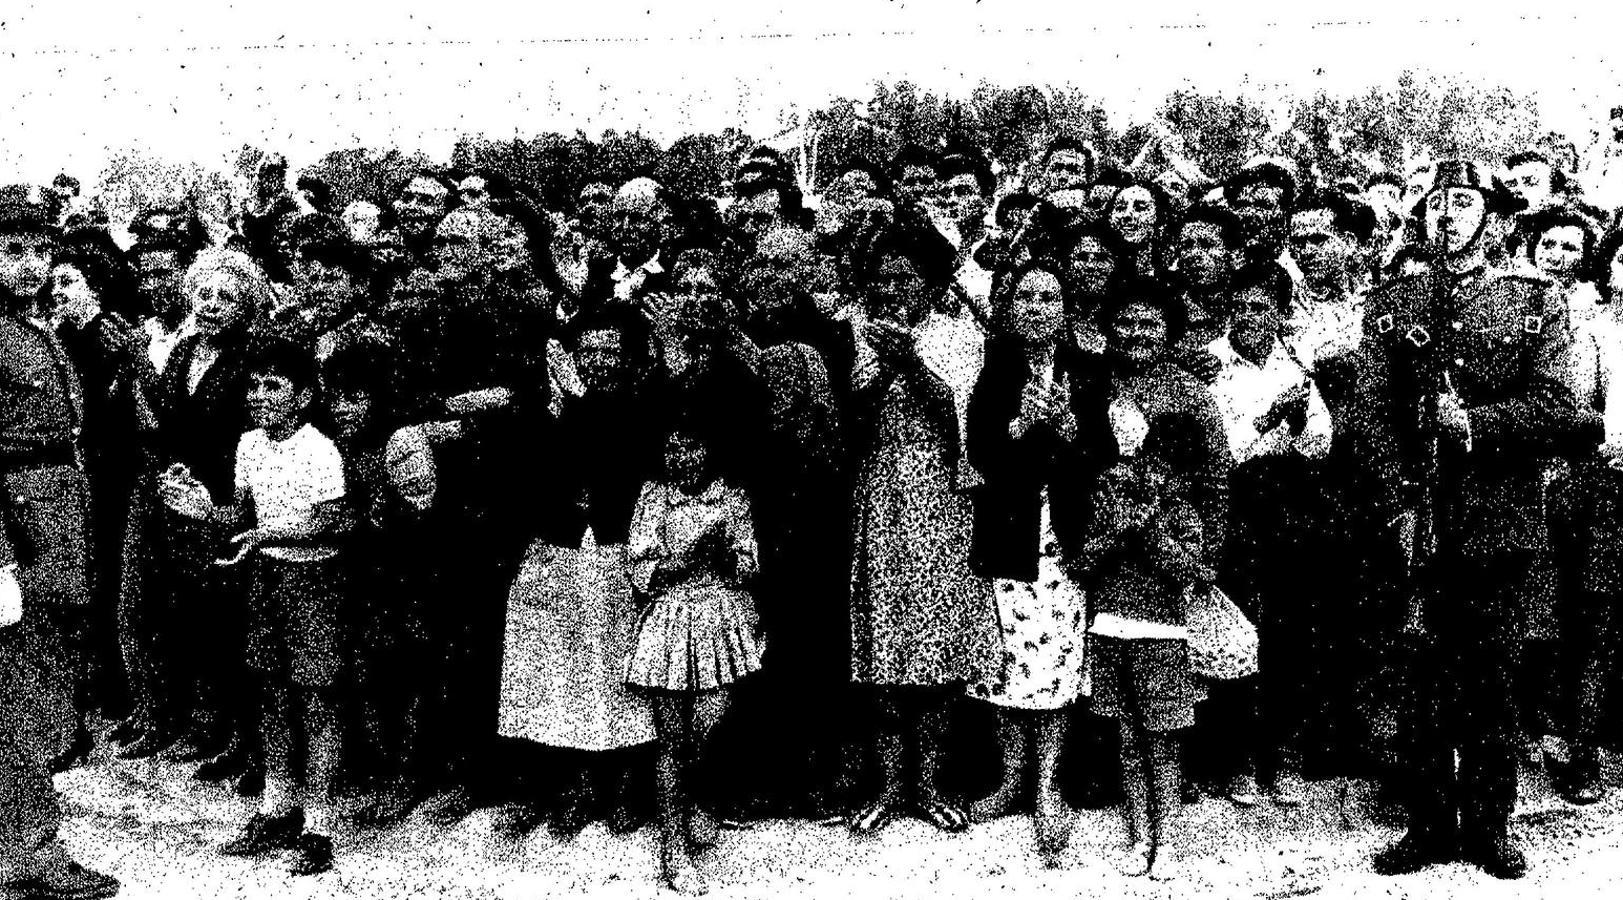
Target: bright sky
x=195, y=80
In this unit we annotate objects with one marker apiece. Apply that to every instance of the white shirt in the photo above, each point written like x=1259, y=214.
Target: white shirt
x=627, y=281
x=288, y=480
x=1595, y=367
x=161, y=341
x=1320, y=329
x=1245, y=391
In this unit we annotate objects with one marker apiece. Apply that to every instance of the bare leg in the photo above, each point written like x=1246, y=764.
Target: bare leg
x=672, y=722
x=1135, y=785
x=1011, y=738
x=276, y=727
x=889, y=743
x=929, y=730
x=708, y=709
x=321, y=763
x=1165, y=804
x=1053, y=816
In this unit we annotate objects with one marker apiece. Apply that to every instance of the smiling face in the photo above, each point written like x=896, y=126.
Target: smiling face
x=25, y=263
x=421, y=205
x=1560, y=251
x=72, y=300
x=1133, y=215
x=1455, y=216
x=1138, y=333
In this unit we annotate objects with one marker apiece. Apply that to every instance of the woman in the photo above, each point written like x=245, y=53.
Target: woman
x=202, y=415
x=571, y=618
x=1140, y=216
x=94, y=304
x=1022, y=432
x=922, y=622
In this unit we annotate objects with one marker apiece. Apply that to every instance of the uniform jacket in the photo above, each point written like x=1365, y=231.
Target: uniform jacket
x=1502, y=341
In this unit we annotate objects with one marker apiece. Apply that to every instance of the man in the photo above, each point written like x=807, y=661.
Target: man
x=43, y=566
x=1066, y=165
x=1208, y=246
x=423, y=200
x=1462, y=388
x=164, y=247
x=634, y=260
x=913, y=173
x=962, y=199
x=1534, y=180
x=1329, y=234
x=764, y=203
x=1263, y=195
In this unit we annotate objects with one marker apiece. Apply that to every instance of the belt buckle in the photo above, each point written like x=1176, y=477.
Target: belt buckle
x=1533, y=325
x=1385, y=324
x=1419, y=336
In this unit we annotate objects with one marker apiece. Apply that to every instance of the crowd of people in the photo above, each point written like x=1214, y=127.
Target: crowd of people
x=707, y=509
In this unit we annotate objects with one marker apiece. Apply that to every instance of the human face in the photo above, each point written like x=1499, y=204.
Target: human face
x=421, y=205
x=463, y=243
x=594, y=202
x=1383, y=197
x=1455, y=215
x=1037, y=312
x=1322, y=250
x=351, y=411
x=1261, y=209
x=915, y=184
x=25, y=263
x=1065, y=170
x=960, y=198
x=1531, y=182
x=72, y=300
x=638, y=227
x=361, y=219
x=601, y=360
x=852, y=187
x=159, y=280
x=701, y=313
x=474, y=192
x=221, y=309
x=510, y=246
x=274, y=403
x=1173, y=184
x=1559, y=251
x=1091, y=265
x=1204, y=257
x=687, y=462
x=900, y=293
x=1256, y=318
x=328, y=286
x=1138, y=333
x=1133, y=215
x=757, y=214
x=1420, y=181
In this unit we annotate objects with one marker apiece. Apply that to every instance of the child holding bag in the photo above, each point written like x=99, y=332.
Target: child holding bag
x=692, y=552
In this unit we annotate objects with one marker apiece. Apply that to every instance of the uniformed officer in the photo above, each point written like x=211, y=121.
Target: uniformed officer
x=43, y=564
x=1461, y=377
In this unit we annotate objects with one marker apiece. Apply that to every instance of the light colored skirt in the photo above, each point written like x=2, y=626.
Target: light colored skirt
x=695, y=637
x=571, y=621
x=1043, y=627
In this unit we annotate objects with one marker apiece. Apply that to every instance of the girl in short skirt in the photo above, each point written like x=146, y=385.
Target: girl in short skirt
x=692, y=553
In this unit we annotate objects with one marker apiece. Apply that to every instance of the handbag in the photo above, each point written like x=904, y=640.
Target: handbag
x=1222, y=641
x=46, y=509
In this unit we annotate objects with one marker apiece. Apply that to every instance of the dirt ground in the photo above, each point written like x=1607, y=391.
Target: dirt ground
x=154, y=828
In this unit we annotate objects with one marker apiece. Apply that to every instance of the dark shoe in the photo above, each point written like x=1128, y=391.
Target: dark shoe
x=946, y=816
x=515, y=821
x=266, y=834
x=1415, y=851
x=1497, y=856
x=448, y=807
x=312, y=854
x=147, y=745
x=196, y=750
x=388, y=808
x=572, y=816
x=251, y=783
x=626, y=817
x=872, y=817
x=59, y=877
x=219, y=768
x=126, y=730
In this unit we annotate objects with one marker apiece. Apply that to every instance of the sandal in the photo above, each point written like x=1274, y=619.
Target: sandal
x=942, y=815
x=872, y=817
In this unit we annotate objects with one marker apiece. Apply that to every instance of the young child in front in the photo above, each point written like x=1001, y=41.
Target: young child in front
x=1144, y=555
x=289, y=512
x=692, y=554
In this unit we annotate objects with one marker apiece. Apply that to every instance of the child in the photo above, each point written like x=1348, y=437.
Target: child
x=1145, y=553
x=692, y=550
x=290, y=486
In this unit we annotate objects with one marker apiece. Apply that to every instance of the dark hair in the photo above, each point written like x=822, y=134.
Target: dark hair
x=171, y=228
x=971, y=162
x=1269, y=277
x=1537, y=224
x=1347, y=214
x=1150, y=292
x=1111, y=175
x=1010, y=203
x=94, y=253
x=912, y=155
x=274, y=355
x=1264, y=174
x=366, y=363
x=319, y=190
x=1558, y=178
x=1066, y=142
x=790, y=201
x=64, y=180
x=1002, y=300
x=1220, y=217
x=875, y=172
x=929, y=252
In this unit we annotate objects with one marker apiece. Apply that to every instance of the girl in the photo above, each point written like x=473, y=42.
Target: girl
x=692, y=552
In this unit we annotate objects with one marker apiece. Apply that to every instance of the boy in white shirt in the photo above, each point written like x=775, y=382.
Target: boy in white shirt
x=290, y=487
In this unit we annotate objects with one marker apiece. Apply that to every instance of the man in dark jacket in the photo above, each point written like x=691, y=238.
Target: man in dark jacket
x=43, y=566
x=1462, y=378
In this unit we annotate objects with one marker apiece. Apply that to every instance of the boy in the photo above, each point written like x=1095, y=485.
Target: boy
x=290, y=487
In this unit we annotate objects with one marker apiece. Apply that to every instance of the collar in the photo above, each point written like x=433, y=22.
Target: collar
x=1223, y=349
x=651, y=267
x=711, y=495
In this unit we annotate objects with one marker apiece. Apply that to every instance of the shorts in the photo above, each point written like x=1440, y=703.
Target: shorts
x=293, y=620
x=1144, y=677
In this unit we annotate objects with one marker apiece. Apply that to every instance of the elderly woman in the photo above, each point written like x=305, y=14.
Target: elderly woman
x=923, y=623
x=202, y=414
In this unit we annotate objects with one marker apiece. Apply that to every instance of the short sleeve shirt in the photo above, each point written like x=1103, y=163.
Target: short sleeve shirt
x=288, y=480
